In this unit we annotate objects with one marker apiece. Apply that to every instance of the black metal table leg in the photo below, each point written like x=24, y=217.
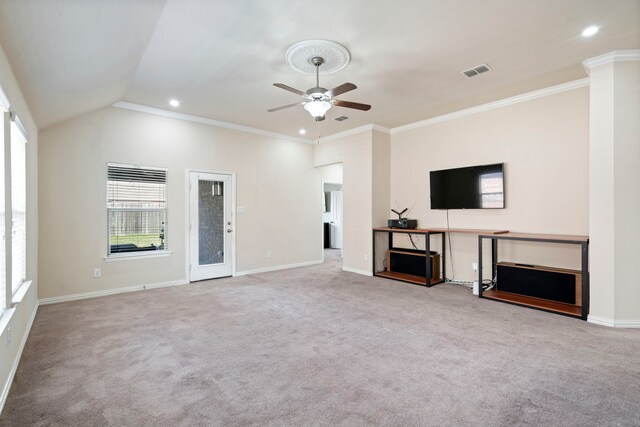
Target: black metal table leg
x=427, y=250
x=373, y=252
x=479, y=266
x=585, y=281
x=494, y=258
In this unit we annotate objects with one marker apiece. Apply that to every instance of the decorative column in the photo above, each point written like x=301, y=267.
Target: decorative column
x=614, y=188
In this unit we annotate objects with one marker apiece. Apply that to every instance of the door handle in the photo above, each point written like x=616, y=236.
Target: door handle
x=228, y=230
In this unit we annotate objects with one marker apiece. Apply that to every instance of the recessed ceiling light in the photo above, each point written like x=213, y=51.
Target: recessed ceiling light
x=174, y=103
x=302, y=131
x=590, y=31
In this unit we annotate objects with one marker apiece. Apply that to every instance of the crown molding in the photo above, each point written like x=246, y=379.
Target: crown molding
x=615, y=56
x=495, y=104
x=203, y=120
x=348, y=132
x=627, y=55
x=354, y=131
x=382, y=129
x=4, y=100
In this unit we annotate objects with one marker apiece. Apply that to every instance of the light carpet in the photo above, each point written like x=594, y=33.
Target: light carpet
x=319, y=346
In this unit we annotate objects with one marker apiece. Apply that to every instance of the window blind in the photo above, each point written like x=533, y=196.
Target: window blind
x=136, y=208
x=18, y=207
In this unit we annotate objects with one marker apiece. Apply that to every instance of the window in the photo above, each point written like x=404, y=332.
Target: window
x=13, y=204
x=136, y=209
x=18, y=206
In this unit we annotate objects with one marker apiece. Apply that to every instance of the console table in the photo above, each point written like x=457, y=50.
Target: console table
x=574, y=310
x=427, y=233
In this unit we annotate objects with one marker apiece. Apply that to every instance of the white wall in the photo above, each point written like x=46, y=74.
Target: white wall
x=24, y=311
x=276, y=183
x=331, y=173
x=615, y=190
x=601, y=189
x=355, y=154
x=380, y=177
x=544, y=144
x=627, y=189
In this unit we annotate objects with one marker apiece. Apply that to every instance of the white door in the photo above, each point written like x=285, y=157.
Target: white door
x=336, y=220
x=210, y=226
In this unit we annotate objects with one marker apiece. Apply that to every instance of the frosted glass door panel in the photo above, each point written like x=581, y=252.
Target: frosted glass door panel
x=211, y=222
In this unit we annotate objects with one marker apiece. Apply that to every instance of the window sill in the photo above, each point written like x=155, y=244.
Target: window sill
x=19, y=293
x=136, y=256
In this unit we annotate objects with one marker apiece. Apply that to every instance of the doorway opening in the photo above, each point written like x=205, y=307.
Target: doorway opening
x=332, y=213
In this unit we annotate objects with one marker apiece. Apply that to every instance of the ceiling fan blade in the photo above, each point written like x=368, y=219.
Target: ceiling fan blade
x=348, y=104
x=344, y=87
x=285, y=106
x=289, y=88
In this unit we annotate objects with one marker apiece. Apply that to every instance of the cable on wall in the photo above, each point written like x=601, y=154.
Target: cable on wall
x=453, y=268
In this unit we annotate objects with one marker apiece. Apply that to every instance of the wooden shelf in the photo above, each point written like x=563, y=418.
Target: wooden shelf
x=579, y=310
x=467, y=231
x=417, y=280
x=541, y=237
x=557, y=307
x=403, y=230
x=442, y=230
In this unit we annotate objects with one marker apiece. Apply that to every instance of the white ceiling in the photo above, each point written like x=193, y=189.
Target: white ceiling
x=220, y=58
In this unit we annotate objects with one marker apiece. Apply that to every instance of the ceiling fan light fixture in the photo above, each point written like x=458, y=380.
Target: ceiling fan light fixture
x=316, y=93
x=317, y=108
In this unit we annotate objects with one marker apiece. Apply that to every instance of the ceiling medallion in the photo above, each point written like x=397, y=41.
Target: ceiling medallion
x=300, y=56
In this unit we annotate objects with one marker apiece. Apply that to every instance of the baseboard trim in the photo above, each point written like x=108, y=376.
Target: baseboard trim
x=95, y=294
x=357, y=271
x=16, y=361
x=612, y=323
x=277, y=267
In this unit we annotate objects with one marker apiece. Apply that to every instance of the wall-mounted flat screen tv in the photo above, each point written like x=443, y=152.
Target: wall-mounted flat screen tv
x=474, y=187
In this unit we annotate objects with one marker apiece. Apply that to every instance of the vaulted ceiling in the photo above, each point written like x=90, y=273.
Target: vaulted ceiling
x=220, y=58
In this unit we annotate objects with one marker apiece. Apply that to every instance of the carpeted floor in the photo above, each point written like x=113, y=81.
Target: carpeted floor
x=318, y=346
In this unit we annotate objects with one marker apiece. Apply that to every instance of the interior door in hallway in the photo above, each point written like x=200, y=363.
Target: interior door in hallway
x=210, y=226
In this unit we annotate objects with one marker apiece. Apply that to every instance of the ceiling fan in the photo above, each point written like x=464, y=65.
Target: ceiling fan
x=319, y=100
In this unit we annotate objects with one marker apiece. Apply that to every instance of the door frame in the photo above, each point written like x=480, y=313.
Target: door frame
x=187, y=213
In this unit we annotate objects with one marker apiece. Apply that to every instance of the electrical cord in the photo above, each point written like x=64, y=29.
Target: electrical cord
x=453, y=268
x=412, y=242
x=487, y=284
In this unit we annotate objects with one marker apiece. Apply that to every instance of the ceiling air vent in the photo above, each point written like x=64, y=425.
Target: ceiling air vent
x=478, y=69
x=341, y=118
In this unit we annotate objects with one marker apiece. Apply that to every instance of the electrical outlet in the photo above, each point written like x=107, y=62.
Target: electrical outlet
x=268, y=254
x=366, y=257
x=474, y=266
x=97, y=273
